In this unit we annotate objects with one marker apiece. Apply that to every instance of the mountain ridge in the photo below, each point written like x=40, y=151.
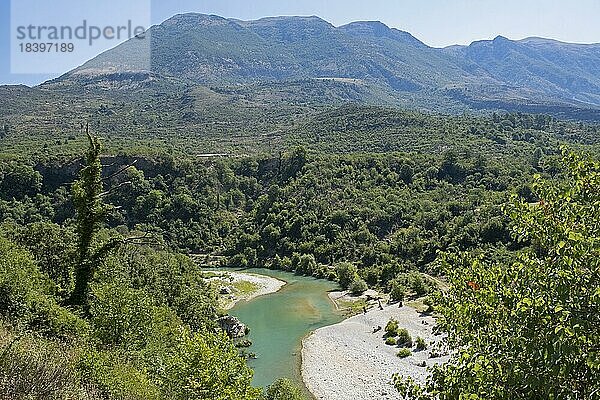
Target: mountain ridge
x=212, y=50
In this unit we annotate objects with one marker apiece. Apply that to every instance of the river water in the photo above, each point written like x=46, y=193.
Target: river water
x=279, y=321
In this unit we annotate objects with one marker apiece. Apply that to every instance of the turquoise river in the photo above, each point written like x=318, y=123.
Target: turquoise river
x=280, y=320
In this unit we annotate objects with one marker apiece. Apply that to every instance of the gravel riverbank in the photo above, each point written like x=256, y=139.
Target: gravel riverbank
x=261, y=285
x=348, y=361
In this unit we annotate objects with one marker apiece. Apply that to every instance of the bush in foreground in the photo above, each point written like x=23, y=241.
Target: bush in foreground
x=390, y=341
x=527, y=329
x=283, y=389
x=404, y=338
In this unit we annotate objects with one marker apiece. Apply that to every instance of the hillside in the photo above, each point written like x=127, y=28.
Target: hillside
x=393, y=66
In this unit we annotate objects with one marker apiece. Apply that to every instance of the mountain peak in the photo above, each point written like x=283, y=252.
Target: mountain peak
x=501, y=39
x=373, y=28
x=379, y=29
x=311, y=20
x=195, y=19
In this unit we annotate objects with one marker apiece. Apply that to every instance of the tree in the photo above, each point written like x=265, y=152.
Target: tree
x=398, y=291
x=90, y=212
x=346, y=274
x=358, y=286
x=205, y=366
x=295, y=162
x=53, y=248
x=283, y=389
x=530, y=328
x=417, y=284
x=406, y=173
x=450, y=168
x=18, y=181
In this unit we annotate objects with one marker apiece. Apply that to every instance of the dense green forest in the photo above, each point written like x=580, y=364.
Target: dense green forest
x=101, y=299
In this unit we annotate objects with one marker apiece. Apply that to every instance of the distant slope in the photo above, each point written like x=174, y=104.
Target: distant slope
x=393, y=66
x=536, y=67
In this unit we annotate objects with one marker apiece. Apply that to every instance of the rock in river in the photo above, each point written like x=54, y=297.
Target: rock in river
x=232, y=326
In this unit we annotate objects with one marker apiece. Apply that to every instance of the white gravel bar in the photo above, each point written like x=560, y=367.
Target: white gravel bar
x=348, y=361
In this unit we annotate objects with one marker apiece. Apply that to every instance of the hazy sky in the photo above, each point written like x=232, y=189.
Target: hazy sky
x=436, y=22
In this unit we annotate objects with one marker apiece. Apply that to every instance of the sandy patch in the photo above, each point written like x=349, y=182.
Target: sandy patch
x=260, y=286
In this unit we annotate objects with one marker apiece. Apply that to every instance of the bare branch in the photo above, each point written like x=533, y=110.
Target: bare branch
x=125, y=168
x=112, y=189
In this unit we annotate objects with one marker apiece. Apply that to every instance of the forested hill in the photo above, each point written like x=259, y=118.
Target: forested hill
x=387, y=65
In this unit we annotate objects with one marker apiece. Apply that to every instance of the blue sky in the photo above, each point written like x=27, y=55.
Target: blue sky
x=435, y=22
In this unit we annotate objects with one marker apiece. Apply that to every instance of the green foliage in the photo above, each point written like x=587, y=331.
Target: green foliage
x=115, y=377
x=346, y=273
x=283, y=389
x=167, y=279
x=26, y=296
x=391, y=328
x=404, y=352
x=18, y=180
x=421, y=345
x=91, y=212
x=417, y=284
x=121, y=315
x=359, y=286
x=53, y=249
x=390, y=341
x=398, y=291
x=33, y=367
x=528, y=328
x=208, y=365
x=403, y=338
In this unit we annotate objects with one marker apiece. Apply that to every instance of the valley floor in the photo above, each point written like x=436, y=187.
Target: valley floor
x=349, y=361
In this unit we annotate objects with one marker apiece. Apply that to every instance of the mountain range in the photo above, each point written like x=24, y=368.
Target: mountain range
x=385, y=65
x=223, y=85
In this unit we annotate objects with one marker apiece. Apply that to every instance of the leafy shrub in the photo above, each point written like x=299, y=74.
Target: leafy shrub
x=390, y=341
x=403, y=338
x=36, y=368
x=238, y=261
x=550, y=334
x=417, y=284
x=25, y=296
x=201, y=364
x=115, y=376
x=398, y=291
x=18, y=180
x=421, y=345
x=283, y=389
x=53, y=249
x=391, y=328
x=403, y=353
x=167, y=279
x=346, y=274
x=306, y=265
x=358, y=286
x=121, y=315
